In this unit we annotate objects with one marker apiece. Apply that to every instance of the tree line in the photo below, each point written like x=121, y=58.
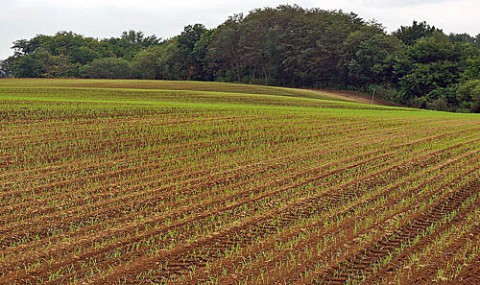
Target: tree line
x=417, y=65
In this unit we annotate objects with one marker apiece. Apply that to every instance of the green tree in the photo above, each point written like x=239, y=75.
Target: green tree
x=200, y=55
x=6, y=68
x=431, y=63
x=186, y=43
x=472, y=69
x=261, y=38
x=365, y=56
x=33, y=65
x=469, y=95
x=409, y=35
x=25, y=47
x=146, y=63
x=462, y=38
x=313, y=46
x=226, y=52
x=108, y=68
x=129, y=44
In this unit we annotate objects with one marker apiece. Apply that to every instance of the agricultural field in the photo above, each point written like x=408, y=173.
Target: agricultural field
x=150, y=182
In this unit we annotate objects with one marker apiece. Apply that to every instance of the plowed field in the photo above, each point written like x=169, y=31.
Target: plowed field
x=149, y=182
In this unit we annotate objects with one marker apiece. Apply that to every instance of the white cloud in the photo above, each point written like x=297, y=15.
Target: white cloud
x=401, y=3
x=450, y=15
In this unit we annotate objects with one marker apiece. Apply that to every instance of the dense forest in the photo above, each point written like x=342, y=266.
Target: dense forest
x=417, y=65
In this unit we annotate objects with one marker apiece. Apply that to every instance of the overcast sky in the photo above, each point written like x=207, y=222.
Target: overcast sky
x=106, y=18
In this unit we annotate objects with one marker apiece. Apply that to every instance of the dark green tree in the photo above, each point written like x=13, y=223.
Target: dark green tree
x=365, y=56
x=469, y=95
x=432, y=66
x=108, y=68
x=226, y=52
x=25, y=47
x=129, y=44
x=34, y=65
x=186, y=43
x=146, y=63
x=6, y=68
x=313, y=46
x=409, y=35
x=200, y=56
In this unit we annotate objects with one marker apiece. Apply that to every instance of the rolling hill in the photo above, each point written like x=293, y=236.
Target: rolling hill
x=155, y=182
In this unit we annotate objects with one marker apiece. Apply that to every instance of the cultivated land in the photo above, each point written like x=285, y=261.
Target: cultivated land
x=131, y=182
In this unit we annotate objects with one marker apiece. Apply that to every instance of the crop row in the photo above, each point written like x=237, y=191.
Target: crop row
x=100, y=186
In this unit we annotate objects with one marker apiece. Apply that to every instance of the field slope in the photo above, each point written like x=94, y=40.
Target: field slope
x=151, y=182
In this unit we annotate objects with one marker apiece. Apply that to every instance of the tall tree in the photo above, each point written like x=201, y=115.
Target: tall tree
x=186, y=43
x=409, y=35
x=6, y=68
x=364, y=55
x=431, y=63
x=226, y=51
x=261, y=39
